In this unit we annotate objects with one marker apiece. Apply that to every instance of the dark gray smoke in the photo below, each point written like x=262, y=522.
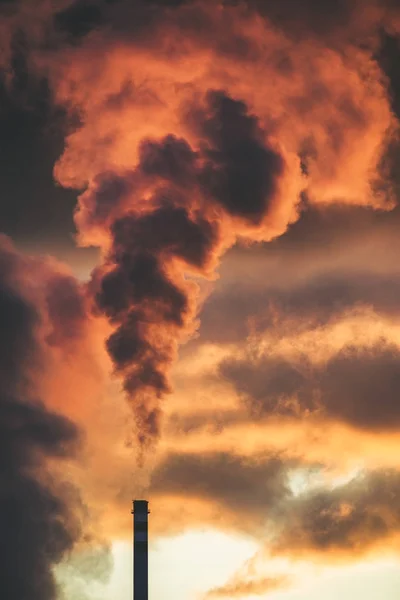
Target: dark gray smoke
x=37, y=523
x=141, y=289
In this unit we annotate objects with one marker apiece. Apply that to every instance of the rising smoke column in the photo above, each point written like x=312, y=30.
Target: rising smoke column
x=37, y=523
x=215, y=175
x=171, y=217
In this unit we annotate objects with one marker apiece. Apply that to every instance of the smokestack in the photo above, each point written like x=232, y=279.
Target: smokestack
x=140, y=550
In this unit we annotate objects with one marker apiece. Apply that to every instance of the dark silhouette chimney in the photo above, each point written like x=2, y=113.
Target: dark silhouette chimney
x=140, y=550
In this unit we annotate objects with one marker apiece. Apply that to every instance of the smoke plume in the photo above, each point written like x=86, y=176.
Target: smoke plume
x=181, y=207
x=37, y=520
x=186, y=148
x=192, y=126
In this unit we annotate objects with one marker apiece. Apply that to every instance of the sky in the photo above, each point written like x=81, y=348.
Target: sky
x=199, y=297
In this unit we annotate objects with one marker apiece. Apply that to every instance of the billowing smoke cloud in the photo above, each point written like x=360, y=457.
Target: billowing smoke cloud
x=201, y=124
x=246, y=489
x=37, y=526
x=357, y=385
x=39, y=515
x=324, y=520
x=349, y=520
x=180, y=208
x=270, y=386
x=176, y=172
x=216, y=154
x=318, y=301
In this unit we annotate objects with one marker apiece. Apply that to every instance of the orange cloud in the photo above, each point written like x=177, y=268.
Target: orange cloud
x=257, y=587
x=218, y=164
x=202, y=126
x=349, y=520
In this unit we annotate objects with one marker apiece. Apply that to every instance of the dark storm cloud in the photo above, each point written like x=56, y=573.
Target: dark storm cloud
x=327, y=297
x=318, y=301
x=313, y=274
x=254, y=494
x=322, y=229
x=248, y=487
x=349, y=519
x=269, y=386
x=359, y=386
x=36, y=521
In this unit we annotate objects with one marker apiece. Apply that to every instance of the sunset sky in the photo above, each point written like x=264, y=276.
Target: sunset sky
x=200, y=297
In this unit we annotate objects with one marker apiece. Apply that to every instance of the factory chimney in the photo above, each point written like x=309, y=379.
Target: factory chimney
x=140, y=513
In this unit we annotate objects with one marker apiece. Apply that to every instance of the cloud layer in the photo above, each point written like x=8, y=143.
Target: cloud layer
x=39, y=515
x=251, y=141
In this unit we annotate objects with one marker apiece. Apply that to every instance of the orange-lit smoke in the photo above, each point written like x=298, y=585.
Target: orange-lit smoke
x=201, y=125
